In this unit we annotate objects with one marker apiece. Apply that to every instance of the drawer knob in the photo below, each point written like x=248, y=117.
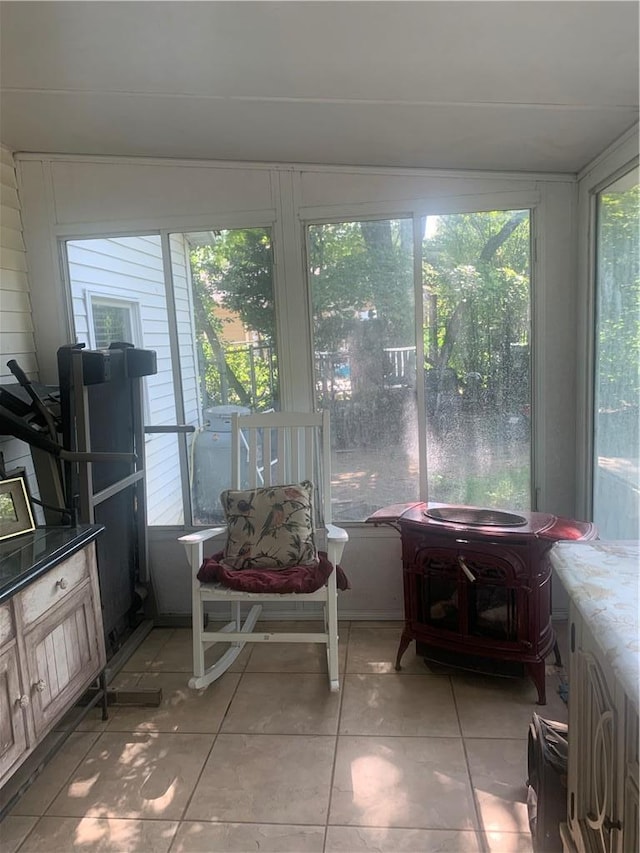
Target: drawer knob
x=40, y=685
x=22, y=702
x=62, y=583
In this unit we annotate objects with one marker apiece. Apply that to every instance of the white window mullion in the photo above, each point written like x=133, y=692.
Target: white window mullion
x=423, y=473
x=181, y=437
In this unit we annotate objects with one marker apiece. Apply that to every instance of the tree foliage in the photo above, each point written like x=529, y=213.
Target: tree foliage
x=233, y=271
x=476, y=290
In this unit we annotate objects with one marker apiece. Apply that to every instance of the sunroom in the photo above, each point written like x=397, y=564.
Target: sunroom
x=421, y=217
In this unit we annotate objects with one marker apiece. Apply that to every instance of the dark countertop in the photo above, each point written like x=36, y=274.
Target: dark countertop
x=25, y=558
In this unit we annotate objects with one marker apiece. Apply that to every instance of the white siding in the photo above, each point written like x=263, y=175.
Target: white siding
x=16, y=325
x=130, y=269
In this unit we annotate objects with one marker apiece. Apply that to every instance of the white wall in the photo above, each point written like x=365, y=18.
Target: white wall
x=16, y=325
x=65, y=196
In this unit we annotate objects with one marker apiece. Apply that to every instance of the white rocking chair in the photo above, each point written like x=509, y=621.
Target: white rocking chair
x=269, y=450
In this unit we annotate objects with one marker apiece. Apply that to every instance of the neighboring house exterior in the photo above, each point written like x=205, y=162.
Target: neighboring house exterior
x=117, y=289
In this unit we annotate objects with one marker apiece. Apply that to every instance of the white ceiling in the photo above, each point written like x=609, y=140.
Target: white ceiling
x=535, y=86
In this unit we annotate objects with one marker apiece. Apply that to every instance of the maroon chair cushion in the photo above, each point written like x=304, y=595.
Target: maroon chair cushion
x=295, y=579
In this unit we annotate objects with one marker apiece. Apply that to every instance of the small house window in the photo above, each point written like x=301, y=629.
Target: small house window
x=112, y=321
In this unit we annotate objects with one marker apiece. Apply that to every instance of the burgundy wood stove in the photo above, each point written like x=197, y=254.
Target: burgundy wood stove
x=477, y=583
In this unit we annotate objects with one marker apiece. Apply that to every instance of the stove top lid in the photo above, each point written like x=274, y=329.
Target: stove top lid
x=476, y=517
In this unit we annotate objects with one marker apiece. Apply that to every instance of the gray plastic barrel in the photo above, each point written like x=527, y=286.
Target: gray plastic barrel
x=212, y=463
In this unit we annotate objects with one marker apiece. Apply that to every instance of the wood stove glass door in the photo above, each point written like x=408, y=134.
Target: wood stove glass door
x=491, y=599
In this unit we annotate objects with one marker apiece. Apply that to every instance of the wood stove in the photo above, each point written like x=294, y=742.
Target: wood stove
x=477, y=584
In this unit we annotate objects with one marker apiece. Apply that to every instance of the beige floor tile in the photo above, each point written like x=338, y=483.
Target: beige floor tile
x=351, y=839
x=182, y=709
x=134, y=776
x=265, y=778
x=176, y=655
x=502, y=707
x=283, y=703
x=100, y=835
x=498, y=771
x=393, y=704
x=39, y=796
x=293, y=657
x=409, y=782
x=384, y=624
x=143, y=656
x=93, y=721
x=196, y=837
x=374, y=650
x=508, y=842
x=13, y=831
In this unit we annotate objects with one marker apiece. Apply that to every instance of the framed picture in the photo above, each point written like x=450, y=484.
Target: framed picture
x=16, y=516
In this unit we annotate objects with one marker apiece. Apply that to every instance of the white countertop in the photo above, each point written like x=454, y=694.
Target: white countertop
x=602, y=579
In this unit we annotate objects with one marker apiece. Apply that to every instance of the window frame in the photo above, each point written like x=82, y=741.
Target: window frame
x=286, y=250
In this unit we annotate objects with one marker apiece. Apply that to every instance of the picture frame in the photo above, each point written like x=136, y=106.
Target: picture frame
x=16, y=515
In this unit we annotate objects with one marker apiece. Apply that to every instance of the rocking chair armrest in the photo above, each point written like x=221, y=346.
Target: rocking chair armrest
x=336, y=534
x=201, y=535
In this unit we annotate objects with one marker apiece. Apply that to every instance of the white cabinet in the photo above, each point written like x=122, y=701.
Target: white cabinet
x=51, y=650
x=602, y=803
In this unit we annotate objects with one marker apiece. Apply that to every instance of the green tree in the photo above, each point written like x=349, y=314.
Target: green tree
x=234, y=271
x=476, y=294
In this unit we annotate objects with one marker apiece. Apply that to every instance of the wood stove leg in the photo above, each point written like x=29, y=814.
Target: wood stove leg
x=405, y=639
x=538, y=676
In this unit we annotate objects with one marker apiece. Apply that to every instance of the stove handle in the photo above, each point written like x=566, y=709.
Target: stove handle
x=465, y=568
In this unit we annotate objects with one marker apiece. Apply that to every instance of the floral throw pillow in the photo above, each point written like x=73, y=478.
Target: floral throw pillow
x=270, y=528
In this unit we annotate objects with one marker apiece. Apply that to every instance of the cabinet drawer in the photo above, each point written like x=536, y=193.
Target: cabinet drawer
x=53, y=587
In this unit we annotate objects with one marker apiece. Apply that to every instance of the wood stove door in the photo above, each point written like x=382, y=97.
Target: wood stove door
x=494, y=601
x=479, y=597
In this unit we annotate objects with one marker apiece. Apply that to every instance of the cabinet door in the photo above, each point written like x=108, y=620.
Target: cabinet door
x=13, y=737
x=631, y=765
x=593, y=726
x=63, y=656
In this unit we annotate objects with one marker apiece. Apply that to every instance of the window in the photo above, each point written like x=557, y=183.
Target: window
x=361, y=279
x=616, y=489
x=118, y=293
x=467, y=439
x=477, y=345
x=421, y=349
x=214, y=340
x=112, y=321
x=223, y=297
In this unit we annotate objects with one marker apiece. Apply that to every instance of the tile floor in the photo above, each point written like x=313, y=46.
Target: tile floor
x=268, y=759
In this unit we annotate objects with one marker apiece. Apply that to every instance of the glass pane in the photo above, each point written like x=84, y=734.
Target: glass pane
x=616, y=484
x=224, y=280
x=361, y=281
x=111, y=323
x=125, y=274
x=476, y=297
